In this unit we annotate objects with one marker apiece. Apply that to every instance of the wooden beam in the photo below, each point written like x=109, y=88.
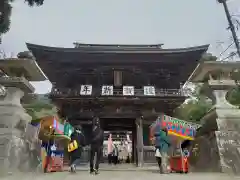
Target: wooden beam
x=139, y=126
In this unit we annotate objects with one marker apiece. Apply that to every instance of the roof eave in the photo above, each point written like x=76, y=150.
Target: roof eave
x=202, y=48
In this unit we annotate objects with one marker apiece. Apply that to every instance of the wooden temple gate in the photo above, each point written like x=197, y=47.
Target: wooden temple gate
x=126, y=86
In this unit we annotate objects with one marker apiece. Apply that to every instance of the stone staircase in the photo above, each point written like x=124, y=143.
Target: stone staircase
x=118, y=167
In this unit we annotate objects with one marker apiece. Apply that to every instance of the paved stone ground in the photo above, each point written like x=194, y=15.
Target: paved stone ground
x=120, y=175
x=119, y=172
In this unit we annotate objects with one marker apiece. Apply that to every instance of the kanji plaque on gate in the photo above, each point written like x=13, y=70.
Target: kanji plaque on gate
x=149, y=90
x=86, y=90
x=128, y=90
x=107, y=90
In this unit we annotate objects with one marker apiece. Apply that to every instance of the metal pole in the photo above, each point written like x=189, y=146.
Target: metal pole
x=231, y=26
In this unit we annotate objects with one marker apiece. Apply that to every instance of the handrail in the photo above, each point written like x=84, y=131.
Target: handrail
x=116, y=92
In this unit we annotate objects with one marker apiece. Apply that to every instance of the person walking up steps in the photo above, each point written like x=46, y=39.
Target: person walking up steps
x=75, y=148
x=96, y=146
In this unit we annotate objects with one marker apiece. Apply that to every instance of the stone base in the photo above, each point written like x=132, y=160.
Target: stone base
x=14, y=150
x=218, y=151
x=204, y=155
x=228, y=143
x=14, y=153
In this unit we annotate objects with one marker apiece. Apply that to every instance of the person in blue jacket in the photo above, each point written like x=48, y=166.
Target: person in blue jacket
x=162, y=144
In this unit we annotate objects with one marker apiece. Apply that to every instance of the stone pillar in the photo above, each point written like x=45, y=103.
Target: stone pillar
x=139, y=126
x=13, y=120
x=228, y=127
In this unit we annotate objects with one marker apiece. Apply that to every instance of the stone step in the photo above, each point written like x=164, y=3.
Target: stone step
x=118, y=167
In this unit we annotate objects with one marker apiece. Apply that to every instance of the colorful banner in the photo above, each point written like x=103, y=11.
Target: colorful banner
x=176, y=127
x=58, y=126
x=185, y=124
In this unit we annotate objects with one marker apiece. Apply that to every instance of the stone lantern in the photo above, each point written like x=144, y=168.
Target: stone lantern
x=219, y=136
x=13, y=117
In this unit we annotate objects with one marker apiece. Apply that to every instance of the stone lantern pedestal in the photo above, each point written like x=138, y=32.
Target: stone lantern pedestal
x=14, y=154
x=221, y=126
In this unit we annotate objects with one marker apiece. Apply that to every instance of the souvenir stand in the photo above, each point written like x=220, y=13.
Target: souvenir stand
x=178, y=156
x=179, y=131
x=53, y=143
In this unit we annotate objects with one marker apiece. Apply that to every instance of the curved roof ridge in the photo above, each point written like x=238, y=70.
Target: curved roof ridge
x=80, y=45
x=118, y=50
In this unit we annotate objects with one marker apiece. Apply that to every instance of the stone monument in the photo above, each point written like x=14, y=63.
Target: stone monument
x=13, y=118
x=219, y=138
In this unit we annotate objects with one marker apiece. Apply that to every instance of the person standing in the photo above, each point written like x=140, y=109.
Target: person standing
x=96, y=146
x=129, y=148
x=162, y=144
x=115, y=154
x=75, y=148
x=110, y=149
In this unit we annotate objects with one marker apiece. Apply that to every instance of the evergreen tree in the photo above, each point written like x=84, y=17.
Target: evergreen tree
x=197, y=105
x=41, y=107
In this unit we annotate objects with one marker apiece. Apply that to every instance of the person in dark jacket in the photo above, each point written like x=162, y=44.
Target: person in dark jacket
x=96, y=145
x=75, y=155
x=115, y=154
x=162, y=144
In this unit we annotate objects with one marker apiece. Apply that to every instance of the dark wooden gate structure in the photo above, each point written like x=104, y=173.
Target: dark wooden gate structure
x=126, y=86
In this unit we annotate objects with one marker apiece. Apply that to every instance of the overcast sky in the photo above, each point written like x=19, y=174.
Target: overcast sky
x=176, y=23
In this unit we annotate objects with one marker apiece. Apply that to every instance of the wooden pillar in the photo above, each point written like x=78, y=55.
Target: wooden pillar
x=134, y=157
x=139, y=126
